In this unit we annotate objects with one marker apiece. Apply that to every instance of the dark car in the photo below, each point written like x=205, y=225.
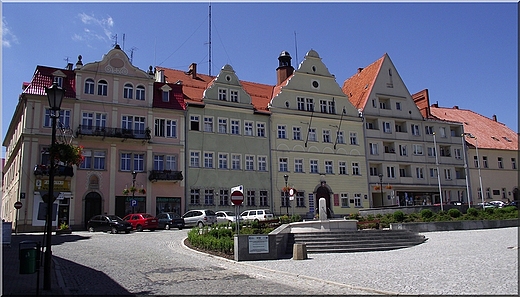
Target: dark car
x=168, y=220
x=108, y=223
x=141, y=221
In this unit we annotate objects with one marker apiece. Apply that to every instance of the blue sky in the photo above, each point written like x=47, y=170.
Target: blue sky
x=465, y=54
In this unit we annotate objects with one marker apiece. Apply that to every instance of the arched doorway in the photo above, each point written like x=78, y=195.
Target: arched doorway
x=92, y=206
x=324, y=191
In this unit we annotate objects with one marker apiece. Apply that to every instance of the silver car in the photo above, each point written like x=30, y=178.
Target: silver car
x=200, y=218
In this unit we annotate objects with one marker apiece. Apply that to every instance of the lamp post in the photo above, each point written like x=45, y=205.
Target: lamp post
x=381, y=187
x=438, y=173
x=134, y=175
x=478, y=164
x=466, y=172
x=286, y=177
x=55, y=96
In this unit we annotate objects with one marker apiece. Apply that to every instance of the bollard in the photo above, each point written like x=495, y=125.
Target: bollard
x=299, y=251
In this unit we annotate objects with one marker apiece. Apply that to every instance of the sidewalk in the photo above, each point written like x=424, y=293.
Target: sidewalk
x=14, y=283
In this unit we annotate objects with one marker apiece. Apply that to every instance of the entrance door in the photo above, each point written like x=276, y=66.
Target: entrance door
x=323, y=192
x=92, y=206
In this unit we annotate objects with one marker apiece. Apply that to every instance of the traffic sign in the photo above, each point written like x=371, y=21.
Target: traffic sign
x=18, y=205
x=133, y=202
x=237, y=198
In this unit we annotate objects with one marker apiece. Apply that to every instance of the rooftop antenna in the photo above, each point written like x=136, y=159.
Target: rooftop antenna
x=296, y=48
x=132, y=53
x=124, y=43
x=114, y=37
x=209, y=43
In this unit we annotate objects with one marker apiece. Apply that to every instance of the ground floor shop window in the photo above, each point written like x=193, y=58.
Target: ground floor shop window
x=168, y=204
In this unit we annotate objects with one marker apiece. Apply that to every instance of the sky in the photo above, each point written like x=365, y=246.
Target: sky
x=464, y=53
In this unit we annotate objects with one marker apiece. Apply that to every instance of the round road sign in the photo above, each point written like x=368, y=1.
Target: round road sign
x=237, y=197
x=18, y=205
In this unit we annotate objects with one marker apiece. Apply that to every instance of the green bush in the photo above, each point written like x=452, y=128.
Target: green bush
x=399, y=216
x=454, y=213
x=426, y=214
x=296, y=218
x=472, y=212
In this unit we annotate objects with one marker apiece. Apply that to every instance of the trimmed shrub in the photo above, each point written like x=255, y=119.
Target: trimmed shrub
x=399, y=216
x=426, y=214
x=454, y=213
x=472, y=212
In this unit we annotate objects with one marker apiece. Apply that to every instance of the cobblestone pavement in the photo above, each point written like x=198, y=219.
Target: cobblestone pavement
x=477, y=262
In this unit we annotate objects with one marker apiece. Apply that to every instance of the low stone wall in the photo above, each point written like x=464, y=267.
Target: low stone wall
x=454, y=225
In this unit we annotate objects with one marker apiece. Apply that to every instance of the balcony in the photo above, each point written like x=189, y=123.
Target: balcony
x=157, y=175
x=145, y=134
x=61, y=170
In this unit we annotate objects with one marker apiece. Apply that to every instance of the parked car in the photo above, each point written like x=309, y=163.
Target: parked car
x=167, y=220
x=513, y=203
x=257, y=215
x=226, y=216
x=108, y=223
x=199, y=217
x=456, y=202
x=141, y=221
x=498, y=203
x=487, y=205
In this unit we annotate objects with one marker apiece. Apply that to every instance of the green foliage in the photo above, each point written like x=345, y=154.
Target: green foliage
x=285, y=219
x=426, y=214
x=472, y=212
x=454, y=213
x=296, y=218
x=370, y=218
x=399, y=216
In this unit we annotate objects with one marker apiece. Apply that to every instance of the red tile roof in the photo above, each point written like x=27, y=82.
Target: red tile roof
x=43, y=77
x=359, y=86
x=491, y=134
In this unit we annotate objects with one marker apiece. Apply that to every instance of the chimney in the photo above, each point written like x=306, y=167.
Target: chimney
x=69, y=66
x=456, y=107
x=436, y=105
x=284, y=69
x=193, y=70
x=359, y=70
x=159, y=76
x=495, y=117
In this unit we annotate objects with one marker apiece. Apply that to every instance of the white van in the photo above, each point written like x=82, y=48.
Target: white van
x=257, y=215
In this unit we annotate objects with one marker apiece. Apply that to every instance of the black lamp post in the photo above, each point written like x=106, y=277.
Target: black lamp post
x=286, y=177
x=381, y=187
x=55, y=95
x=134, y=175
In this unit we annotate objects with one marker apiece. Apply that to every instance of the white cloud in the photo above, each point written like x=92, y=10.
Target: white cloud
x=8, y=37
x=96, y=29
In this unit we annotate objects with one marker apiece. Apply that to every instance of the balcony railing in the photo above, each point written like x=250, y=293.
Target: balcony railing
x=145, y=134
x=61, y=170
x=156, y=175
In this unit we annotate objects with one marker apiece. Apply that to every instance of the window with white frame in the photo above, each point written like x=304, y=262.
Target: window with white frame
x=297, y=134
x=415, y=130
x=300, y=199
x=208, y=197
x=164, y=162
x=250, y=198
x=323, y=106
x=127, y=122
x=342, y=166
x=139, y=93
x=374, y=103
x=326, y=135
x=283, y=165
x=248, y=128
x=222, y=126
x=128, y=91
x=281, y=132
x=263, y=198
x=500, y=162
x=222, y=94
x=447, y=174
x=312, y=134
x=331, y=106
x=419, y=172
x=262, y=163
x=250, y=162
x=233, y=95
x=62, y=122
x=89, y=86
x=340, y=138
x=194, y=123
x=195, y=196
x=357, y=199
x=485, y=161
x=355, y=169
x=442, y=132
x=87, y=120
x=132, y=161
x=93, y=159
x=353, y=138
x=165, y=128
x=373, y=149
x=390, y=171
x=343, y=197
x=260, y=129
x=373, y=171
x=208, y=124
x=224, y=197
x=139, y=124
x=329, y=167
x=513, y=163
x=309, y=104
x=298, y=165
x=125, y=162
x=433, y=172
x=431, y=152
x=158, y=162
x=222, y=161
x=208, y=160
x=301, y=103
x=236, y=161
x=475, y=161
x=387, y=128
x=458, y=153
x=171, y=162
x=102, y=88
x=398, y=105
x=428, y=130
x=417, y=149
x=235, y=127
x=402, y=150
x=313, y=166
x=194, y=159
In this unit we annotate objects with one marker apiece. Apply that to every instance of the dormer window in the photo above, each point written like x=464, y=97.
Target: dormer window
x=59, y=81
x=165, y=96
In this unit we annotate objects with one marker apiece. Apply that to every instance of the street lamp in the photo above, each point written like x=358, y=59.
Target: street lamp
x=437, y=164
x=478, y=164
x=466, y=170
x=55, y=96
x=381, y=187
x=134, y=175
x=286, y=177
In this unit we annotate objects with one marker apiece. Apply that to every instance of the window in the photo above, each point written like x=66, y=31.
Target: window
x=263, y=198
x=309, y=104
x=87, y=120
x=208, y=197
x=300, y=199
x=165, y=128
x=447, y=174
x=224, y=197
x=485, y=162
x=222, y=94
x=415, y=130
x=428, y=130
x=236, y=161
x=419, y=172
x=301, y=103
x=313, y=166
x=312, y=134
x=390, y=172
x=488, y=193
x=402, y=172
x=342, y=165
x=171, y=163
x=166, y=96
x=475, y=161
x=164, y=162
x=208, y=124
x=250, y=162
x=357, y=199
x=195, y=159
x=340, y=138
x=248, y=128
x=194, y=123
x=132, y=161
x=402, y=150
x=433, y=172
x=281, y=132
x=102, y=88
x=355, y=169
x=328, y=167
x=58, y=80
x=62, y=122
x=370, y=126
x=344, y=199
x=326, y=136
x=128, y=91
x=373, y=149
x=139, y=93
x=374, y=103
x=374, y=171
x=222, y=126
x=260, y=129
x=282, y=165
x=297, y=134
x=139, y=123
x=195, y=196
x=262, y=163
x=235, y=127
x=504, y=193
x=327, y=106
x=93, y=160
x=457, y=153
x=431, y=152
x=398, y=105
x=500, y=163
x=417, y=149
x=442, y=132
x=386, y=127
x=208, y=160
x=298, y=165
x=513, y=163
x=323, y=106
x=250, y=198
x=222, y=161
x=382, y=105
x=353, y=138
x=233, y=95
x=89, y=86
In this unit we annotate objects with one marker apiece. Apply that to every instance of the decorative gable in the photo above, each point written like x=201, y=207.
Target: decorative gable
x=226, y=88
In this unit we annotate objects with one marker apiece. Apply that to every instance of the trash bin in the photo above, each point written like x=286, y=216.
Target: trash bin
x=28, y=257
